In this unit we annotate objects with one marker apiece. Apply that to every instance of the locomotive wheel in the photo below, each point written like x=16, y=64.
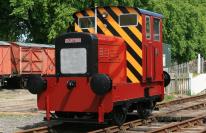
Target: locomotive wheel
x=119, y=115
x=144, y=109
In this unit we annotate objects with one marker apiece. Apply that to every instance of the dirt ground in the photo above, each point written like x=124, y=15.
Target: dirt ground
x=18, y=110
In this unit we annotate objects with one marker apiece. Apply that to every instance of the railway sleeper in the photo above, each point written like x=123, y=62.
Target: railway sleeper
x=172, y=118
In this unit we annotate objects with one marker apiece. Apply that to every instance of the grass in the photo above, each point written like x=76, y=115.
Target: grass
x=169, y=98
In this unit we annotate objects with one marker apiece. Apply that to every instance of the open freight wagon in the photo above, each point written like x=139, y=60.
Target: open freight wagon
x=24, y=59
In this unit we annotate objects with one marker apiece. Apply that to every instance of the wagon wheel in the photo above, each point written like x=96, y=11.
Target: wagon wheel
x=119, y=115
x=1, y=83
x=144, y=109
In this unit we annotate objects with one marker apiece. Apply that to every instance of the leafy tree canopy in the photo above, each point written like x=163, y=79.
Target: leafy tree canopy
x=184, y=26
x=41, y=21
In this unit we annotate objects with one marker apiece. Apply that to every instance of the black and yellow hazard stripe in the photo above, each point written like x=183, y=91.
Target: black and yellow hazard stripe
x=77, y=28
x=132, y=35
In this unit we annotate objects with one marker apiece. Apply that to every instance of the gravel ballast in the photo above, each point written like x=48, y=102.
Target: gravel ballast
x=18, y=111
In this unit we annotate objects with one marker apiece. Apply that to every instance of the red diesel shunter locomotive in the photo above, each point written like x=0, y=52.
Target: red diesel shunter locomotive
x=104, y=76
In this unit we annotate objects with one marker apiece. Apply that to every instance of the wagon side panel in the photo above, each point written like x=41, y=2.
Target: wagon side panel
x=5, y=60
x=31, y=60
x=15, y=58
x=49, y=61
x=37, y=58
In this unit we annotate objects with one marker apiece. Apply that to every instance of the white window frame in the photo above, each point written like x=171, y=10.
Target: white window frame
x=149, y=27
x=86, y=17
x=127, y=14
x=159, y=30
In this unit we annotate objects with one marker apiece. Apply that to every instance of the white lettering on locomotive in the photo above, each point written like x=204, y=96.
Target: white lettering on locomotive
x=73, y=40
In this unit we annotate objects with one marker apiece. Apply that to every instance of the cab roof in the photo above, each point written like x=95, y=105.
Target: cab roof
x=142, y=11
x=146, y=12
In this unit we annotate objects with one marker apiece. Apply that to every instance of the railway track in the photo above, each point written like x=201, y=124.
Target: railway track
x=198, y=102
x=27, y=105
x=180, y=101
x=190, y=107
x=197, y=125
x=167, y=120
x=44, y=129
x=193, y=125
x=17, y=101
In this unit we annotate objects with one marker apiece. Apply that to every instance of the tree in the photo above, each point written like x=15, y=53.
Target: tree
x=184, y=27
x=42, y=20
x=9, y=26
x=45, y=19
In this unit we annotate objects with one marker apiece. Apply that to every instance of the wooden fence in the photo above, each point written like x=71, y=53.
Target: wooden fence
x=180, y=84
x=181, y=76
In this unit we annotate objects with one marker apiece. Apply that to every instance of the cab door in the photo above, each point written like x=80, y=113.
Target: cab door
x=149, y=50
x=157, y=48
x=153, y=49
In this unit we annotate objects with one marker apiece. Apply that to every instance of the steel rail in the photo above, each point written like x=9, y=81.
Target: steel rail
x=179, y=101
x=203, y=131
x=133, y=124
x=44, y=129
x=194, y=106
x=124, y=127
x=19, y=113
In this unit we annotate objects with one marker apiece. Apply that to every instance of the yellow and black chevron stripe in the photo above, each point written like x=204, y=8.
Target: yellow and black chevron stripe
x=110, y=26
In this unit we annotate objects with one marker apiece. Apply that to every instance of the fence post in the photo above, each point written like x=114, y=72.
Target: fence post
x=188, y=68
x=176, y=84
x=202, y=65
x=189, y=84
x=198, y=64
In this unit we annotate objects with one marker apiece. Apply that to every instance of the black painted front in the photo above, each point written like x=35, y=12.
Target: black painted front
x=88, y=41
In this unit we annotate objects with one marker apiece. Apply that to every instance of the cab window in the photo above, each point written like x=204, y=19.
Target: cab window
x=86, y=22
x=126, y=20
x=156, y=29
x=148, y=28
